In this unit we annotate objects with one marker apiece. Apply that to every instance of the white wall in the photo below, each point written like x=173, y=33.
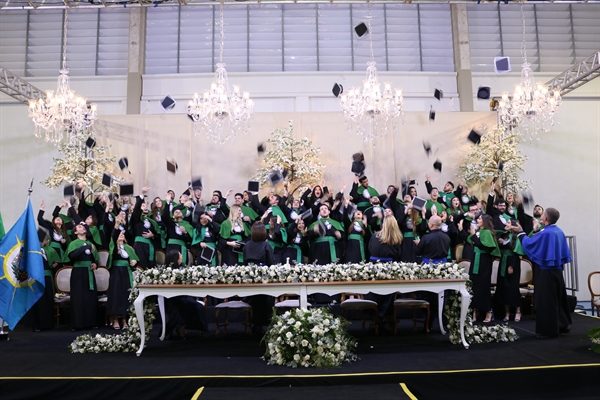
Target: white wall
x=564, y=166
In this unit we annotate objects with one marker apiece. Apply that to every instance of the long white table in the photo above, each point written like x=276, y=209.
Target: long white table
x=302, y=289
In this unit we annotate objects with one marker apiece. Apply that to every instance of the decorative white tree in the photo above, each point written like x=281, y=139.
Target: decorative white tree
x=496, y=157
x=297, y=157
x=82, y=164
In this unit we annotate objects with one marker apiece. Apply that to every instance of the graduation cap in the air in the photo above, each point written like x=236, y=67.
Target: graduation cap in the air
x=126, y=189
x=500, y=166
x=438, y=94
x=42, y=235
x=196, y=183
x=351, y=210
x=483, y=92
x=253, y=186
x=337, y=89
x=275, y=177
x=437, y=165
x=527, y=197
x=123, y=163
x=167, y=103
x=261, y=147
x=107, y=179
x=285, y=173
x=69, y=190
x=501, y=64
x=172, y=165
x=90, y=142
x=361, y=29
x=427, y=148
x=431, y=114
x=474, y=136
x=307, y=214
x=358, y=163
x=199, y=209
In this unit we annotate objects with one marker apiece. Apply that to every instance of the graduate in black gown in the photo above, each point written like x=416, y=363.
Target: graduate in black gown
x=122, y=261
x=233, y=232
x=297, y=245
x=41, y=315
x=206, y=234
x=58, y=237
x=144, y=230
x=179, y=232
x=485, y=246
x=84, y=257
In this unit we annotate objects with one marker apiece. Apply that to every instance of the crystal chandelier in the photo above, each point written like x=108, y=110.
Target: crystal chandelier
x=61, y=113
x=370, y=109
x=218, y=112
x=532, y=106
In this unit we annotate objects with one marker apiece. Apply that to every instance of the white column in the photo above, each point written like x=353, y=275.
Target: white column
x=462, y=56
x=135, y=69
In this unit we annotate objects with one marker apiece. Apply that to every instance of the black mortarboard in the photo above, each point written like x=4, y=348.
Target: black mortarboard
x=483, y=92
x=351, y=210
x=172, y=165
x=207, y=253
x=527, y=197
x=359, y=156
x=361, y=29
x=358, y=167
x=339, y=196
x=337, y=89
x=427, y=148
x=69, y=190
x=431, y=114
x=500, y=166
x=438, y=165
x=167, y=103
x=261, y=147
x=474, y=136
x=179, y=207
x=123, y=163
x=438, y=94
x=126, y=189
x=253, y=186
x=196, y=183
x=42, y=234
x=501, y=65
x=285, y=173
x=306, y=214
x=199, y=210
x=325, y=190
x=90, y=142
x=275, y=177
x=107, y=179
x=418, y=203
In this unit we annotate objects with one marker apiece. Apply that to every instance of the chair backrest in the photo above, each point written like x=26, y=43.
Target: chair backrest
x=102, y=277
x=103, y=257
x=458, y=251
x=352, y=296
x=594, y=283
x=159, y=257
x=62, y=280
x=526, y=272
x=495, y=266
x=466, y=264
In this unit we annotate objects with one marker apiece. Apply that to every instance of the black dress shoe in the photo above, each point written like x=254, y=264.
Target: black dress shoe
x=546, y=336
x=565, y=330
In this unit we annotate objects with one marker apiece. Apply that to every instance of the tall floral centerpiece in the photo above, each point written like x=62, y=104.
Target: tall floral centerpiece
x=298, y=158
x=498, y=157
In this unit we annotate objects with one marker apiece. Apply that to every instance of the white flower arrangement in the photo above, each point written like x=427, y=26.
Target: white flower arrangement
x=280, y=273
x=308, y=338
x=474, y=333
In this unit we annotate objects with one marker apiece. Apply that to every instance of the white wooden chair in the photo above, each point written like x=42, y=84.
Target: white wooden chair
x=594, y=286
x=62, y=281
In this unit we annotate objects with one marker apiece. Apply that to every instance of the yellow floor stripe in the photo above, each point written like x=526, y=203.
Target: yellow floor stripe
x=408, y=392
x=198, y=393
x=301, y=376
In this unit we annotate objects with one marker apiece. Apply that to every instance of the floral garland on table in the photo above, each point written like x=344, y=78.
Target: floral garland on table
x=281, y=273
x=594, y=335
x=128, y=341
x=308, y=338
x=474, y=333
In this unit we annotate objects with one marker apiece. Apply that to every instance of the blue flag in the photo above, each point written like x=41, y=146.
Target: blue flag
x=22, y=276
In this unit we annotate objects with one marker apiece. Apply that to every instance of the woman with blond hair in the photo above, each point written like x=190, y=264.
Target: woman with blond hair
x=386, y=244
x=233, y=232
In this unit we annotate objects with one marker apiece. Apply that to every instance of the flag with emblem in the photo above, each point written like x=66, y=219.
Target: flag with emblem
x=22, y=276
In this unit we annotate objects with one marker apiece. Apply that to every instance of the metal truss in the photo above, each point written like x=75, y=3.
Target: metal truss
x=576, y=76
x=18, y=88
x=59, y=4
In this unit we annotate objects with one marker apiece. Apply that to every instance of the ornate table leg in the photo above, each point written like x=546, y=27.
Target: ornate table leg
x=139, y=313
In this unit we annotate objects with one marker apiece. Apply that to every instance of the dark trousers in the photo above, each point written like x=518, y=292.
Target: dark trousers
x=552, y=308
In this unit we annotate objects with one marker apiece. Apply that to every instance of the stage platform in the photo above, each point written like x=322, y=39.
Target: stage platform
x=39, y=365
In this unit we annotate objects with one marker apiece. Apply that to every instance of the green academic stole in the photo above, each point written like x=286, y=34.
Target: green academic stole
x=237, y=238
x=88, y=265
x=487, y=240
x=125, y=264
x=95, y=232
x=58, y=248
x=250, y=213
x=298, y=252
x=371, y=191
x=141, y=239
x=361, y=243
x=331, y=240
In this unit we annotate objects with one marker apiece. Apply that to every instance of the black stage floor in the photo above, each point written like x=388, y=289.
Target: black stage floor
x=36, y=365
